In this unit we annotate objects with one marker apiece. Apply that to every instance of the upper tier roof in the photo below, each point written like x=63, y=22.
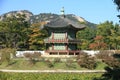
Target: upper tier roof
x=61, y=21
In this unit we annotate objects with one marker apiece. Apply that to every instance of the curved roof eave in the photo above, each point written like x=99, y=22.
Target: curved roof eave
x=61, y=22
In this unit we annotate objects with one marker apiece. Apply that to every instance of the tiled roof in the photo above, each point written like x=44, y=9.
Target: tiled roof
x=60, y=22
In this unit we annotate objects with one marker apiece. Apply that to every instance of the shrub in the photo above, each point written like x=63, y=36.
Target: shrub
x=36, y=55
x=33, y=57
x=70, y=63
x=6, y=54
x=103, y=54
x=86, y=61
x=112, y=61
x=57, y=60
x=49, y=63
x=113, y=71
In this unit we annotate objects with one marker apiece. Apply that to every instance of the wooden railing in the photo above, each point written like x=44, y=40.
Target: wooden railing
x=66, y=51
x=62, y=41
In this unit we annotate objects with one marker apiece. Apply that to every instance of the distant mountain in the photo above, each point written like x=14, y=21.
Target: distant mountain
x=81, y=20
x=42, y=17
x=45, y=17
x=27, y=13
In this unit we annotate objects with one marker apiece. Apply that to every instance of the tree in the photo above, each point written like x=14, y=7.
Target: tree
x=113, y=71
x=111, y=34
x=98, y=43
x=104, y=29
x=13, y=30
x=117, y=2
x=36, y=37
x=85, y=41
x=114, y=38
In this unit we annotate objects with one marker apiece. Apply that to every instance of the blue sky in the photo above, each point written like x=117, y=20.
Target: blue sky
x=96, y=11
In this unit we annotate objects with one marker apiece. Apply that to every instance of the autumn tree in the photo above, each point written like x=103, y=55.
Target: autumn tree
x=98, y=43
x=36, y=37
x=86, y=36
x=113, y=70
x=111, y=34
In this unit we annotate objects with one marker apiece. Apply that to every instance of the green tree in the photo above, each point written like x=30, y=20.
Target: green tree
x=117, y=2
x=111, y=34
x=36, y=37
x=104, y=29
x=113, y=71
x=13, y=30
x=86, y=36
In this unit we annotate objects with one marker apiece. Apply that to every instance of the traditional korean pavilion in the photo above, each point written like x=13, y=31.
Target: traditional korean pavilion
x=62, y=36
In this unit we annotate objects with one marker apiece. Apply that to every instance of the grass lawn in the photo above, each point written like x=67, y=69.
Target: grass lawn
x=22, y=64
x=49, y=76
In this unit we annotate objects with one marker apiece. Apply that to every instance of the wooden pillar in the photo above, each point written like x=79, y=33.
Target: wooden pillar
x=52, y=37
x=52, y=46
x=66, y=47
x=66, y=36
x=74, y=53
x=67, y=52
x=58, y=53
x=79, y=52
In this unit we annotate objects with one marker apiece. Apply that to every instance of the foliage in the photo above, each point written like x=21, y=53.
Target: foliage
x=49, y=63
x=14, y=30
x=33, y=57
x=107, y=32
x=113, y=68
x=36, y=37
x=110, y=74
x=110, y=33
x=98, y=43
x=6, y=54
x=103, y=54
x=70, y=63
x=85, y=41
x=41, y=64
x=52, y=63
x=112, y=61
x=117, y=2
x=89, y=32
x=57, y=60
x=86, y=61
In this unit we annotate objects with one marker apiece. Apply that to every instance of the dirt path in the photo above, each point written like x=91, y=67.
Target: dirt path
x=54, y=71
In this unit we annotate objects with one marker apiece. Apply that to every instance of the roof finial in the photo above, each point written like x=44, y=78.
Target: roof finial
x=62, y=12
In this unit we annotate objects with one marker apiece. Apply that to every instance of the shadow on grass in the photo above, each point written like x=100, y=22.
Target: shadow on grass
x=11, y=63
x=113, y=72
